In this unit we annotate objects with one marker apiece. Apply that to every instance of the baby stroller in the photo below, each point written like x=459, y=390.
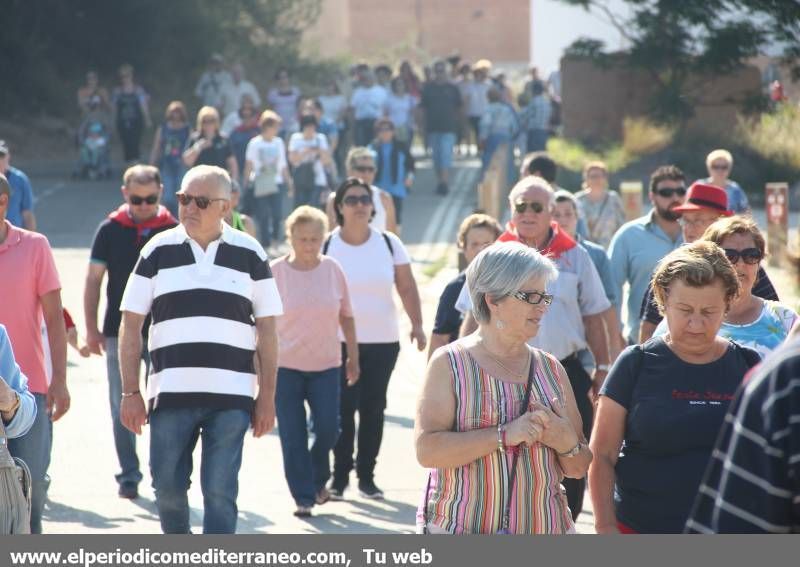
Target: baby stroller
x=94, y=160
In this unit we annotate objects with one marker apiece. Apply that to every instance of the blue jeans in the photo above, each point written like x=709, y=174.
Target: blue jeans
x=34, y=448
x=124, y=439
x=308, y=196
x=537, y=140
x=307, y=471
x=268, y=211
x=171, y=177
x=173, y=436
x=442, y=144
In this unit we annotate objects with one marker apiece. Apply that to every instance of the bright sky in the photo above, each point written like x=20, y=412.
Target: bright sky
x=556, y=25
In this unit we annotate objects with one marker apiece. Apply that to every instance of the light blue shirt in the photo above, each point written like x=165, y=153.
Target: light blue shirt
x=603, y=266
x=21, y=196
x=10, y=372
x=634, y=252
x=737, y=198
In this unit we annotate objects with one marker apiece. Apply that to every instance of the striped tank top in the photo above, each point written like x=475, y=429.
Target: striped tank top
x=472, y=498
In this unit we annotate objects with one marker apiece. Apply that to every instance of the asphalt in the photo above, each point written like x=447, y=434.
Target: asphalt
x=83, y=493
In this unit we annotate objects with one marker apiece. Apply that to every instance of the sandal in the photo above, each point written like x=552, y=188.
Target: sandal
x=323, y=496
x=303, y=512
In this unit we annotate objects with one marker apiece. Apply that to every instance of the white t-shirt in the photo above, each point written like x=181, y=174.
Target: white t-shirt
x=369, y=269
x=333, y=107
x=297, y=143
x=262, y=153
x=477, y=99
x=367, y=102
x=232, y=96
x=399, y=109
x=379, y=220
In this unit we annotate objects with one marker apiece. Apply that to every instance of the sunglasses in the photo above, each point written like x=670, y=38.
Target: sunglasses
x=721, y=167
x=352, y=200
x=201, y=202
x=750, y=256
x=522, y=206
x=364, y=168
x=667, y=193
x=533, y=297
x=150, y=199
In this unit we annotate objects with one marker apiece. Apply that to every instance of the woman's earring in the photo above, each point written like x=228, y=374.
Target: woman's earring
x=500, y=324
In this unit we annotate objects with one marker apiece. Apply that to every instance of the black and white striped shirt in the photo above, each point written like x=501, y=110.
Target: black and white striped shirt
x=203, y=306
x=752, y=484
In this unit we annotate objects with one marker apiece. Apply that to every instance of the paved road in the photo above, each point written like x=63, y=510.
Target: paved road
x=83, y=490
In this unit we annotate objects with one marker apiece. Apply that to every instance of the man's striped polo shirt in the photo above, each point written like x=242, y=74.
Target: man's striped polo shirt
x=203, y=306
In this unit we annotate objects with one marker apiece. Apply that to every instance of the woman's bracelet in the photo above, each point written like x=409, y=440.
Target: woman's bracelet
x=501, y=437
x=130, y=394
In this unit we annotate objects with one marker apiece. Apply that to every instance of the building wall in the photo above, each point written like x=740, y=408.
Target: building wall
x=495, y=29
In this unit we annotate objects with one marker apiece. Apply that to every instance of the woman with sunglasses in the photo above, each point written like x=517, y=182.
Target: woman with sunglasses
x=663, y=403
x=207, y=146
x=497, y=421
x=375, y=264
x=751, y=321
x=719, y=164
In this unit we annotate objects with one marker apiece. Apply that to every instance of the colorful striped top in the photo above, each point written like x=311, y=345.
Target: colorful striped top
x=472, y=498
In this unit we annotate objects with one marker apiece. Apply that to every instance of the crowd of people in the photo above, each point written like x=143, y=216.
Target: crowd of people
x=533, y=384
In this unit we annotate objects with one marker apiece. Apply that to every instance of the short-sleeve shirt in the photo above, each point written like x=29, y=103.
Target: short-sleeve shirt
x=603, y=218
x=117, y=247
x=203, y=306
x=368, y=102
x=21, y=196
x=442, y=103
x=298, y=143
x=674, y=412
x=216, y=154
x=369, y=269
x=284, y=103
x=400, y=109
x=313, y=300
x=448, y=318
x=28, y=272
x=267, y=153
x=603, y=267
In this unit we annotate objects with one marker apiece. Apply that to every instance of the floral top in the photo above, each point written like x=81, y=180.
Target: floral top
x=603, y=218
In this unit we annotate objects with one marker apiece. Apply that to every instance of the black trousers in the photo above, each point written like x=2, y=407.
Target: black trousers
x=581, y=384
x=131, y=135
x=368, y=397
x=364, y=131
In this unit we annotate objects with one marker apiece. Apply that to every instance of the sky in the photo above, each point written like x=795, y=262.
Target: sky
x=556, y=25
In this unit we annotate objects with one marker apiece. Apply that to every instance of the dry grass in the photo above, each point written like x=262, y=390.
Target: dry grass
x=642, y=137
x=775, y=136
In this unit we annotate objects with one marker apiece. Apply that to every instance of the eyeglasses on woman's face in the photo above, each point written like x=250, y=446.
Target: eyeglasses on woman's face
x=353, y=200
x=750, y=256
x=533, y=297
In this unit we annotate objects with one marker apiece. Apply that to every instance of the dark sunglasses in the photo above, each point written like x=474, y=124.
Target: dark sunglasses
x=522, y=206
x=667, y=193
x=150, y=199
x=364, y=168
x=353, y=200
x=749, y=256
x=533, y=297
x=721, y=167
x=201, y=202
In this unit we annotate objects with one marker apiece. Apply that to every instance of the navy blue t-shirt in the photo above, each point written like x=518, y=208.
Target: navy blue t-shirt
x=448, y=318
x=675, y=411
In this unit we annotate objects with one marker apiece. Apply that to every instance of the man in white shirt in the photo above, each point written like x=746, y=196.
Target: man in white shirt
x=232, y=92
x=367, y=106
x=213, y=82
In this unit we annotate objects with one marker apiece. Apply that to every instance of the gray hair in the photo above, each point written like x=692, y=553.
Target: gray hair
x=502, y=269
x=530, y=182
x=210, y=174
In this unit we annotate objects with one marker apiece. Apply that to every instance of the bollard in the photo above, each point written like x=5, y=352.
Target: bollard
x=631, y=193
x=777, y=205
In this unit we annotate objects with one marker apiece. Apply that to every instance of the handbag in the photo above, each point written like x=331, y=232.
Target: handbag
x=512, y=473
x=304, y=175
x=15, y=491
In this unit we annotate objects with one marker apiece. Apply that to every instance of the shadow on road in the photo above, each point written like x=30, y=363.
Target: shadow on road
x=56, y=512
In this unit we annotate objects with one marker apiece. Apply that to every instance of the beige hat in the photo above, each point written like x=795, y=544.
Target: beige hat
x=482, y=65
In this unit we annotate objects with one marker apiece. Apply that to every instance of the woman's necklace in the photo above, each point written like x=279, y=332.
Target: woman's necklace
x=506, y=368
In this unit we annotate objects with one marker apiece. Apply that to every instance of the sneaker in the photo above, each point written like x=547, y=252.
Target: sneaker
x=442, y=189
x=336, y=490
x=128, y=491
x=367, y=489
x=303, y=512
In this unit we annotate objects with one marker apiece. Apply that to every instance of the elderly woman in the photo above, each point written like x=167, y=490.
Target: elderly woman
x=759, y=324
x=719, y=164
x=375, y=264
x=316, y=304
x=207, y=146
x=663, y=402
x=496, y=419
x=600, y=207
x=309, y=155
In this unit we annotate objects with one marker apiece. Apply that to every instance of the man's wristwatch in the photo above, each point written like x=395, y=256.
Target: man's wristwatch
x=603, y=367
x=572, y=452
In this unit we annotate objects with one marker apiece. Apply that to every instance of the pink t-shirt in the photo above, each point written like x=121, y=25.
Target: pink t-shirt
x=27, y=272
x=313, y=300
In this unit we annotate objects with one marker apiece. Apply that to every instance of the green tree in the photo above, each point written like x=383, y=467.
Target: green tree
x=46, y=46
x=673, y=40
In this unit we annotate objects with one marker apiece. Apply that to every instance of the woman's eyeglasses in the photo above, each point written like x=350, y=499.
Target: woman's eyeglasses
x=353, y=200
x=522, y=206
x=533, y=297
x=150, y=199
x=721, y=166
x=749, y=256
x=364, y=168
x=201, y=202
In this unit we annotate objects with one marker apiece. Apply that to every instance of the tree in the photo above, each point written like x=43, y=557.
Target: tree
x=46, y=46
x=673, y=40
